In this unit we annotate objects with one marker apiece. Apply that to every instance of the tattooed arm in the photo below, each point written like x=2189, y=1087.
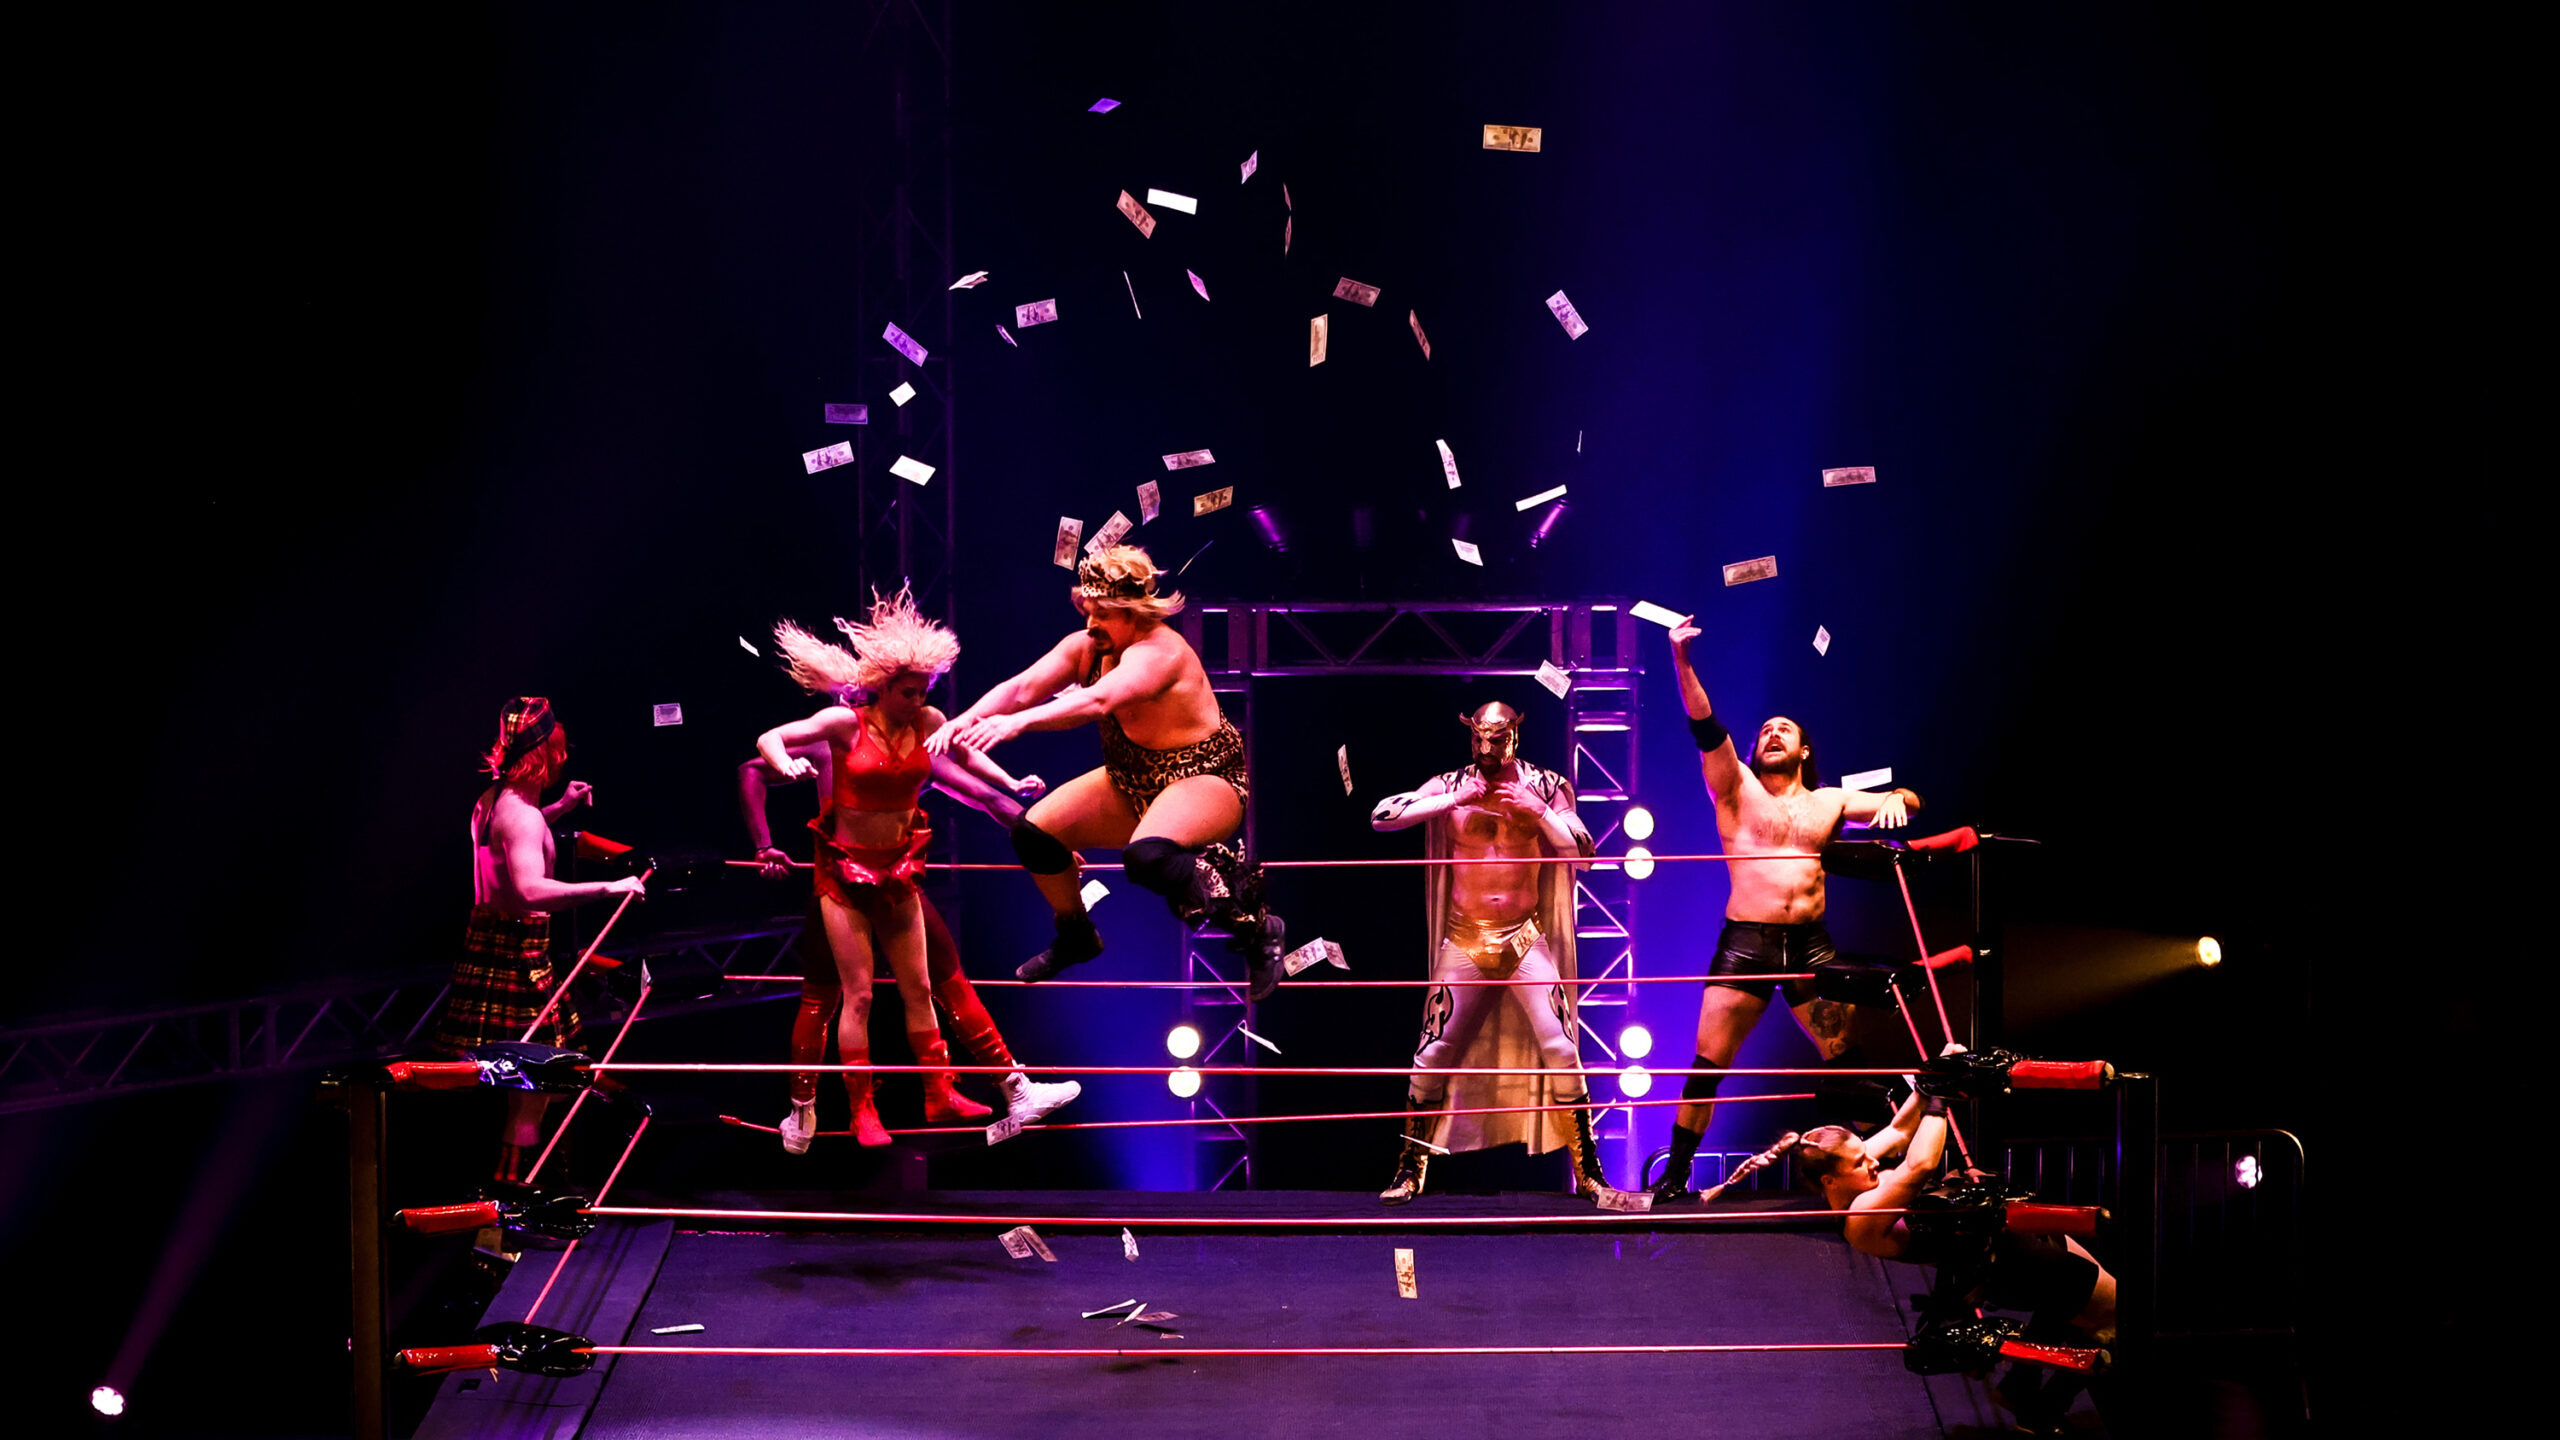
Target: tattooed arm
x=1403, y=812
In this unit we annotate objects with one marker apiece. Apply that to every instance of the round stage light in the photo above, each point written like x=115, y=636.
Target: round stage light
x=1639, y=823
x=1636, y=1041
x=2208, y=951
x=2246, y=1174
x=1184, y=1082
x=1182, y=1042
x=1634, y=1081
x=107, y=1400
x=1639, y=862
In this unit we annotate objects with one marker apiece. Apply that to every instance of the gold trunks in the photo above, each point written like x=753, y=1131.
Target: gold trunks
x=1492, y=947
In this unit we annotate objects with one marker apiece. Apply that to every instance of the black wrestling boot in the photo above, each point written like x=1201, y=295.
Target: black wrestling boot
x=1077, y=942
x=1860, y=1102
x=1412, y=1159
x=1674, y=1185
x=1232, y=887
x=1588, y=1179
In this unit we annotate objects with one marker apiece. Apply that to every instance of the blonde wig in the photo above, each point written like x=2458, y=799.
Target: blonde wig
x=1123, y=578
x=896, y=640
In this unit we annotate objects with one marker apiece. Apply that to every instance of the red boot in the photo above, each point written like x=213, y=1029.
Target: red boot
x=866, y=1116
x=942, y=1104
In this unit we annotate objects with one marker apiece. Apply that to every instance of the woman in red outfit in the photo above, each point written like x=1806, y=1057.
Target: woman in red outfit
x=871, y=836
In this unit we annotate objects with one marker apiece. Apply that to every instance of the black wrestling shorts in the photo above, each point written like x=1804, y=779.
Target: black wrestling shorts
x=2040, y=1275
x=1751, y=947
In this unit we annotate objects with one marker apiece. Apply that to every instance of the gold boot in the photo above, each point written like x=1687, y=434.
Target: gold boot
x=1412, y=1158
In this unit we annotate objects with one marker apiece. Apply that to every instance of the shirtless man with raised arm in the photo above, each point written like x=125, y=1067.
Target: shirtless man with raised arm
x=1773, y=915
x=1172, y=782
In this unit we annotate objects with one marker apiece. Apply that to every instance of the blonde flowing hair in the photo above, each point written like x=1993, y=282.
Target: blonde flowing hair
x=1123, y=578
x=896, y=639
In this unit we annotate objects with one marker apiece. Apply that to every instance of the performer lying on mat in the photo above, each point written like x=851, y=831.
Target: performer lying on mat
x=821, y=991
x=504, y=974
x=1773, y=914
x=1496, y=922
x=871, y=836
x=1172, y=782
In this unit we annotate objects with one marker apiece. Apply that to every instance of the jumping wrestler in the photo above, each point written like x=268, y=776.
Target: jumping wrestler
x=1172, y=782
x=871, y=836
x=1773, y=913
x=1026, y=1100
x=504, y=974
x=1496, y=922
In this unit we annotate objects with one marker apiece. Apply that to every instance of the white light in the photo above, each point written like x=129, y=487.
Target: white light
x=2247, y=1174
x=1639, y=862
x=1634, y=1081
x=1636, y=1041
x=2209, y=951
x=1182, y=1042
x=107, y=1400
x=1639, y=823
x=1183, y=1082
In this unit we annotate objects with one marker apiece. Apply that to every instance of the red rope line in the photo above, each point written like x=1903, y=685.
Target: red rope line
x=601, y=1191
x=1268, y=1072
x=1280, y=1119
x=1387, y=862
x=554, y=1002
x=563, y=1128
x=1245, y=1222
x=1105, y=1353
x=1328, y=984
x=1955, y=1132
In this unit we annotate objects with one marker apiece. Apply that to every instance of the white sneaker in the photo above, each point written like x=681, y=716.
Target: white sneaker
x=799, y=1128
x=1026, y=1100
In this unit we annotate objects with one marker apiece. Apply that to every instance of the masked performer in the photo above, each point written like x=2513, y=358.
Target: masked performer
x=974, y=781
x=1496, y=922
x=504, y=974
x=1172, y=782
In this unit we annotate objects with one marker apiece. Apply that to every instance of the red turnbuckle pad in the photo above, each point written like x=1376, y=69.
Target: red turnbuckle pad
x=2060, y=1074
x=440, y=1359
x=1960, y=839
x=446, y=1219
x=2060, y=1357
x=434, y=1074
x=1960, y=955
x=2029, y=1217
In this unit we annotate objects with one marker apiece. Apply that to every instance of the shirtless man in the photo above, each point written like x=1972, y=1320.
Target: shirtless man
x=1496, y=922
x=1773, y=914
x=1172, y=782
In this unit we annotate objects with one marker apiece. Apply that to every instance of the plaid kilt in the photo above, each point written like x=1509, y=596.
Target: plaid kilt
x=499, y=983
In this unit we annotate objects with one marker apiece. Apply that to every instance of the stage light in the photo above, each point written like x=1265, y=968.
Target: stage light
x=1639, y=862
x=1634, y=1081
x=1546, y=526
x=2246, y=1174
x=1183, y=1082
x=2208, y=951
x=1268, y=526
x=1639, y=823
x=107, y=1400
x=1182, y=1042
x=1636, y=1041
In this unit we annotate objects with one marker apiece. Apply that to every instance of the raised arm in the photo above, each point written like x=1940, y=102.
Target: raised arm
x=969, y=777
x=1723, y=769
x=1895, y=1189
x=1143, y=673
x=1885, y=809
x=1044, y=677
x=522, y=883
x=578, y=793
x=1434, y=799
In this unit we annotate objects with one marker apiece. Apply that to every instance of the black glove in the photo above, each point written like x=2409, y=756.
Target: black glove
x=522, y=1065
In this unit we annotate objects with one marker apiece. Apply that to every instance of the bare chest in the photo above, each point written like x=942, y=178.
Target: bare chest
x=1480, y=831
x=1799, y=822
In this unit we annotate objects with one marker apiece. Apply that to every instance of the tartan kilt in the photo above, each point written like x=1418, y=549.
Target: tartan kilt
x=499, y=983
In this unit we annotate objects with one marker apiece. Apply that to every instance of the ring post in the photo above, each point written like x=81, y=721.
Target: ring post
x=368, y=1259
x=2137, y=1209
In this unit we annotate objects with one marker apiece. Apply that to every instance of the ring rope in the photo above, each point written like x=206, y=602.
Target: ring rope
x=1368, y=1221
x=563, y=1127
x=601, y=1191
x=1365, y=864
x=590, y=953
x=1774, y=979
x=1100, y=1352
x=1268, y=1072
x=1281, y=1119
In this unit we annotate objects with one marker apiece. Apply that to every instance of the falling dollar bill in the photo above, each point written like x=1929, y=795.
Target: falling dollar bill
x=1853, y=475
x=1109, y=535
x=1626, y=1202
x=1218, y=499
x=848, y=414
x=827, y=457
x=1133, y=294
x=1285, y=201
x=1745, y=571
x=1448, y=463
x=1314, y=952
x=1414, y=319
x=1022, y=1242
x=1092, y=893
x=1150, y=500
x=909, y=469
x=1258, y=1040
x=666, y=714
x=1001, y=1131
x=1063, y=554
x=1008, y=337
x=1867, y=779
x=1556, y=681
x=1404, y=1276
x=1319, y=334
x=1513, y=137
x=970, y=281
x=904, y=393
x=1130, y=1305
x=1103, y=106
x=1251, y=163
x=904, y=343
x=1128, y=1245
x=750, y=649
x=1185, y=459
x=1352, y=290
x=1342, y=762
x=675, y=1330
x=1138, y=215
x=1821, y=641
x=1566, y=315
x=1661, y=615
x=1467, y=552
x=1541, y=498
x=1171, y=201
x=1288, y=228
x=1197, y=284
x=1038, y=312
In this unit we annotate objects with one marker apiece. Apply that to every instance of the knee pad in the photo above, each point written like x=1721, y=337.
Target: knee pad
x=1158, y=864
x=1039, y=851
x=1701, y=1087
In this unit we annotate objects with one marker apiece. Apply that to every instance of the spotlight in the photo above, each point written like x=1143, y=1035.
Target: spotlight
x=1268, y=526
x=1183, y=1082
x=1636, y=1041
x=1639, y=823
x=1546, y=526
x=1639, y=862
x=2208, y=951
x=2246, y=1174
x=1634, y=1081
x=107, y=1400
x=1182, y=1042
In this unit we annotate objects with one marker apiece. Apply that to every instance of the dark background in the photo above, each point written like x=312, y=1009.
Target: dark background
x=403, y=362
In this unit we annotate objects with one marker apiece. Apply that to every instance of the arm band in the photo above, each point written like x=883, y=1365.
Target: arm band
x=1708, y=732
